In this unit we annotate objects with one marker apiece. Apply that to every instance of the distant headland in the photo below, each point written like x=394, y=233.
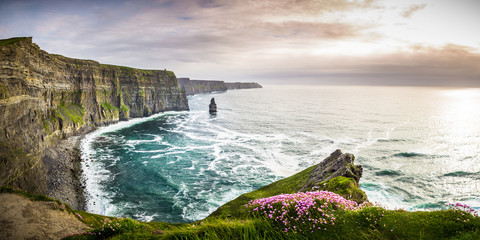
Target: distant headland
x=192, y=87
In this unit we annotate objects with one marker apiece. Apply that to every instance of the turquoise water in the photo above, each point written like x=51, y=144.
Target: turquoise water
x=420, y=148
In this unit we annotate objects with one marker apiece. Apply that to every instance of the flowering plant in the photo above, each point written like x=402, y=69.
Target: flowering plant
x=463, y=208
x=302, y=212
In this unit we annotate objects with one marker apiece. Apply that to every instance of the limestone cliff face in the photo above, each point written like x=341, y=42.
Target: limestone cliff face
x=192, y=87
x=45, y=98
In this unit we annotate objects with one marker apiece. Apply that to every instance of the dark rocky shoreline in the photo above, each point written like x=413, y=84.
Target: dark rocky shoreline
x=65, y=172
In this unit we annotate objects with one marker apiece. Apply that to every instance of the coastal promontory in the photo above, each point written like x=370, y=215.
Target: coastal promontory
x=192, y=87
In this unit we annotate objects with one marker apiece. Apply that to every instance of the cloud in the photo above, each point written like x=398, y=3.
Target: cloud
x=242, y=40
x=449, y=65
x=412, y=9
x=419, y=65
x=192, y=31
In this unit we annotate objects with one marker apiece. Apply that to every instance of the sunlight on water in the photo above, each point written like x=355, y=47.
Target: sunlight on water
x=461, y=112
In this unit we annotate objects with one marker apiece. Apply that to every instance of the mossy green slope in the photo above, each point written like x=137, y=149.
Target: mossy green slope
x=345, y=187
x=235, y=208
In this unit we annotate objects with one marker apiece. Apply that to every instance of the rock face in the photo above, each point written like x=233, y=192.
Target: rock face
x=336, y=165
x=45, y=98
x=192, y=87
x=212, y=108
x=337, y=173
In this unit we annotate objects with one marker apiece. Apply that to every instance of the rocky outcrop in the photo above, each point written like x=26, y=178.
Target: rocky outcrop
x=338, y=164
x=337, y=173
x=212, y=107
x=192, y=87
x=242, y=85
x=45, y=98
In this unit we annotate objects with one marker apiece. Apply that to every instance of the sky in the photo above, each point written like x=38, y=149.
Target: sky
x=354, y=42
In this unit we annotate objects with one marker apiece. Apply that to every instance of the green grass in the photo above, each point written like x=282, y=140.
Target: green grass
x=110, y=111
x=3, y=92
x=125, y=111
x=124, y=108
x=141, y=93
x=107, y=106
x=226, y=229
x=4, y=42
x=291, y=184
x=112, y=227
x=72, y=112
x=346, y=187
x=144, y=76
x=367, y=223
x=131, y=72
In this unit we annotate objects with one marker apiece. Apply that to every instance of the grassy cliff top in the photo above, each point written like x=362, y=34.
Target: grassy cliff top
x=8, y=41
x=138, y=70
x=4, y=42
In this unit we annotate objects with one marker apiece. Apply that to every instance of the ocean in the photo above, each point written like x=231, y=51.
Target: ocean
x=419, y=148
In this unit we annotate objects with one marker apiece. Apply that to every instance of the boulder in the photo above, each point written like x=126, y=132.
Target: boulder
x=337, y=173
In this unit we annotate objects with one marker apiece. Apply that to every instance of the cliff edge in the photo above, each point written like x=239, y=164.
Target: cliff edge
x=45, y=98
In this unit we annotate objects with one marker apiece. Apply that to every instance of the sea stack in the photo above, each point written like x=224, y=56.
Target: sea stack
x=213, y=106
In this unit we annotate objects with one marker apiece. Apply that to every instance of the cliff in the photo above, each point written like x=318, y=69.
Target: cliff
x=242, y=85
x=45, y=98
x=192, y=87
